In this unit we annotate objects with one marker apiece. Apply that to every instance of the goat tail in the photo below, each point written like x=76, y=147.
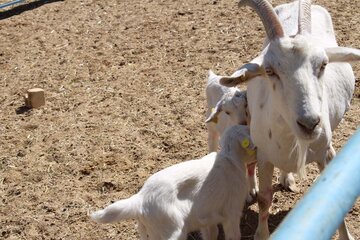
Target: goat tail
x=121, y=210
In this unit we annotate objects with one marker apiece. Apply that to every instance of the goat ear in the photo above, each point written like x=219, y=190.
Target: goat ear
x=214, y=113
x=246, y=72
x=235, y=79
x=343, y=54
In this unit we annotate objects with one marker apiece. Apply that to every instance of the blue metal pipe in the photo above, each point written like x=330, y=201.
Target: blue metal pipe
x=8, y=4
x=324, y=206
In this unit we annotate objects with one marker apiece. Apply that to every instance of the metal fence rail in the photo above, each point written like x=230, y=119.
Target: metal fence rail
x=324, y=206
x=8, y=4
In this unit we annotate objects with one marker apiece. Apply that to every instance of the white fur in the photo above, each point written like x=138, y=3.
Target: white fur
x=298, y=80
x=192, y=195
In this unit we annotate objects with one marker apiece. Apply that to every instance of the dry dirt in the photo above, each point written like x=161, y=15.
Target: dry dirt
x=124, y=82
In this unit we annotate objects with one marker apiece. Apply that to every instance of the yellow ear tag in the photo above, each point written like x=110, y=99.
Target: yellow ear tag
x=212, y=110
x=250, y=151
x=245, y=143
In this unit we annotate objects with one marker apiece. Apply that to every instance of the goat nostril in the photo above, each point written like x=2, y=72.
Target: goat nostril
x=301, y=125
x=317, y=121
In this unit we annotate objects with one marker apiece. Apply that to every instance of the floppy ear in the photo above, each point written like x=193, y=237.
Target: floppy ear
x=215, y=113
x=246, y=72
x=342, y=54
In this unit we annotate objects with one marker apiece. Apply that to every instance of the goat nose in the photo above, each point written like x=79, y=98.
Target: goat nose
x=308, y=124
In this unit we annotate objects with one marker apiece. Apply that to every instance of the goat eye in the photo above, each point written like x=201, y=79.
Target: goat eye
x=228, y=113
x=323, y=66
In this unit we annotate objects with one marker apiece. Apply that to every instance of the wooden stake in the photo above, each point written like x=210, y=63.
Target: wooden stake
x=35, y=98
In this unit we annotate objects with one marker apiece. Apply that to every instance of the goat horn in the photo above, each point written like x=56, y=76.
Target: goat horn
x=268, y=17
x=304, y=24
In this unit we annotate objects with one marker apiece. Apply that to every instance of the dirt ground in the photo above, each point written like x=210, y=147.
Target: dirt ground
x=124, y=82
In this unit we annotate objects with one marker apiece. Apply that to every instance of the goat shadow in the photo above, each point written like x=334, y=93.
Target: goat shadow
x=249, y=222
x=23, y=7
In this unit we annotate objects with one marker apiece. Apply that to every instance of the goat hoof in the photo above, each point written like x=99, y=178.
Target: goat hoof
x=287, y=181
x=293, y=188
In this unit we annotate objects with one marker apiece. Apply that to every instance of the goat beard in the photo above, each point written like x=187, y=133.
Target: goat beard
x=301, y=149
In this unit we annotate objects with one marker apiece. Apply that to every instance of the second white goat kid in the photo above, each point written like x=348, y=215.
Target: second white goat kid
x=192, y=195
x=227, y=106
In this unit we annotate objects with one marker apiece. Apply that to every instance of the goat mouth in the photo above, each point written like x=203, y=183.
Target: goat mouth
x=309, y=135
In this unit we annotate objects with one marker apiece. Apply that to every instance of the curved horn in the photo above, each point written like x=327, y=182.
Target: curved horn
x=268, y=17
x=304, y=24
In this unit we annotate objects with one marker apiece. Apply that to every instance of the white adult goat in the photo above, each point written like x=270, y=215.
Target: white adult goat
x=300, y=89
x=192, y=195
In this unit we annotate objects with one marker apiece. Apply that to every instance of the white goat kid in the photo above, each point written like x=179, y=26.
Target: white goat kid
x=192, y=195
x=227, y=107
x=300, y=89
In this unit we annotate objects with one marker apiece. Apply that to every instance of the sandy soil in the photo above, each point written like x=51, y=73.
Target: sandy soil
x=124, y=83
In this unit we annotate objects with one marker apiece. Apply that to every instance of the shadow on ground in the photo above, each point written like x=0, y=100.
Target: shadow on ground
x=248, y=225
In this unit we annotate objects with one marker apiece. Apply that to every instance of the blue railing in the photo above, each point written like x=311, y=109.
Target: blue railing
x=8, y=4
x=324, y=206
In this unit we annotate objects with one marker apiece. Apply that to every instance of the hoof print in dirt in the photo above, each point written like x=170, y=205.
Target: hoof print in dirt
x=107, y=187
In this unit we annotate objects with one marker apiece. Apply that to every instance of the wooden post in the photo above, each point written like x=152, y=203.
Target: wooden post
x=35, y=98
